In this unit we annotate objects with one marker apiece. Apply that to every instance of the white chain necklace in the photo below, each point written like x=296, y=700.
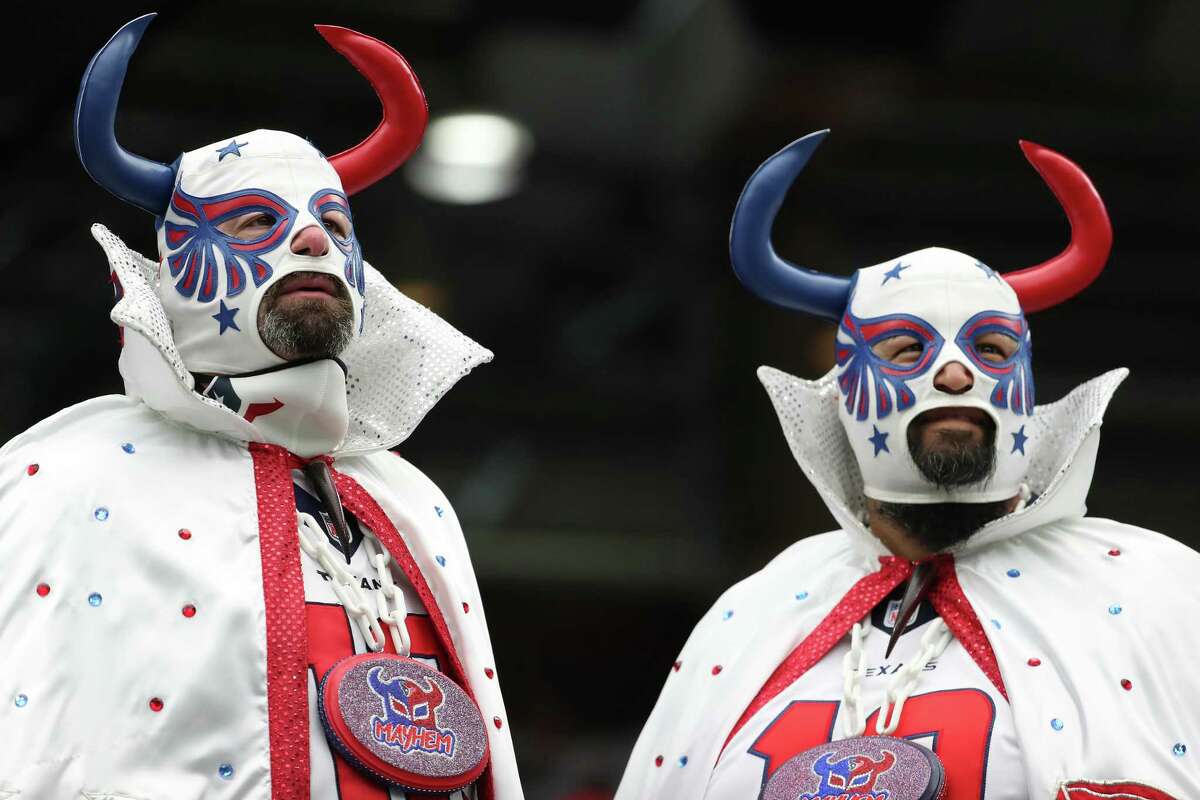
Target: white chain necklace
x=854, y=721
x=389, y=599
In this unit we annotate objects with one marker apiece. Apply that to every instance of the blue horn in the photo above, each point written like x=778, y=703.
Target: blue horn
x=755, y=261
x=144, y=183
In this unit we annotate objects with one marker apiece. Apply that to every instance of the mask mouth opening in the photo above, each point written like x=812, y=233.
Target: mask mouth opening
x=953, y=446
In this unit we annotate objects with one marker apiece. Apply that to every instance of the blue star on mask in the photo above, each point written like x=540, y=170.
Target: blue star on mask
x=225, y=317
x=991, y=273
x=1019, y=439
x=894, y=272
x=879, y=440
x=231, y=149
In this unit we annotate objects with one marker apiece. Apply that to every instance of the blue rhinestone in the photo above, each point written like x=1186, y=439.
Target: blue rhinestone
x=1179, y=749
x=1014, y=573
x=996, y=622
x=801, y=595
x=439, y=510
x=225, y=771
x=441, y=560
x=1114, y=610
x=683, y=761
x=1056, y=724
x=22, y=701
x=101, y=514
x=127, y=447
x=727, y=614
x=94, y=599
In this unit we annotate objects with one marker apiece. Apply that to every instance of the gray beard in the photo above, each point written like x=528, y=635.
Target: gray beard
x=310, y=331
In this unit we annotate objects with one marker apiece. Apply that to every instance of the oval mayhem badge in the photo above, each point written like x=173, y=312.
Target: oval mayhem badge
x=862, y=768
x=403, y=723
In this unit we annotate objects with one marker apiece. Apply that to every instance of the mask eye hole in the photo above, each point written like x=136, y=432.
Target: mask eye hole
x=249, y=227
x=995, y=347
x=337, y=223
x=904, y=350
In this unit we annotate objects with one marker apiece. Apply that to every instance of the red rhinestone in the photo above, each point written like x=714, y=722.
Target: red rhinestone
x=498, y=722
x=1035, y=662
x=1114, y=552
x=156, y=704
x=32, y=469
x=491, y=673
x=1126, y=684
x=185, y=534
x=466, y=609
x=189, y=611
x=43, y=589
x=658, y=761
x=716, y=670
x=677, y=665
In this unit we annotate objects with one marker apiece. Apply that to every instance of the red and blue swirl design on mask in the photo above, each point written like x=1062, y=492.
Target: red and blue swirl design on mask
x=194, y=244
x=327, y=200
x=1014, y=375
x=863, y=368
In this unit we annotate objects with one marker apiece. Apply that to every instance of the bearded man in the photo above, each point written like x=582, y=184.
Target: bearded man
x=1021, y=649
x=222, y=584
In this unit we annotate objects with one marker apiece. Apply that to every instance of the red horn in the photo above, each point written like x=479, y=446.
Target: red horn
x=404, y=109
x=1069, y=272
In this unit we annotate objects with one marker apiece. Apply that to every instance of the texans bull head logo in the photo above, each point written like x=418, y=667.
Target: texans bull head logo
x=851, y=775
x=406, y=701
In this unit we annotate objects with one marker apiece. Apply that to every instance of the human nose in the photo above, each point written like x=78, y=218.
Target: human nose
x=954, y=378
x=310, y=241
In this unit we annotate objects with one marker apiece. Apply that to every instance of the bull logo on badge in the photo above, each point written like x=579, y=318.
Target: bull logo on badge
x=850, y=778
x=410, y=722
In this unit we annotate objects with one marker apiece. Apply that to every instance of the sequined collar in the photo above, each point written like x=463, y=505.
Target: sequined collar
x=1059, y=476
x=404, y=361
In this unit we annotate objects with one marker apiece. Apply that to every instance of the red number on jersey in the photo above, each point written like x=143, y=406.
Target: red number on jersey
x=329, y=641
x=959, y=720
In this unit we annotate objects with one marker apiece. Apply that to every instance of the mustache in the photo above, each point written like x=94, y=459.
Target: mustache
x=955, y=459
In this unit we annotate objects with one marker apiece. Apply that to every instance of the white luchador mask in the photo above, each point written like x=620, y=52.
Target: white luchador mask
x=211, y=283
x=951, y=306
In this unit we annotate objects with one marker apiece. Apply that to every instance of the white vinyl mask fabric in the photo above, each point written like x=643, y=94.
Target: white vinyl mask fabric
x=945, y=300
x=211, y=283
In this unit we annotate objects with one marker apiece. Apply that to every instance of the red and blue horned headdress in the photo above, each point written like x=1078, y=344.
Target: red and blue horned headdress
x=946, y=301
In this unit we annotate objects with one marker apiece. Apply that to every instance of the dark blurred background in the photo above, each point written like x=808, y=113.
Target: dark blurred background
x=618, y=464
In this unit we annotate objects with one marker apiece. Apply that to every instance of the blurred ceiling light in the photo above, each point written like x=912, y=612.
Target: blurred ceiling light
x=470, y=157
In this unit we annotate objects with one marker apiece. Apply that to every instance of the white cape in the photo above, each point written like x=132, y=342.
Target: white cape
x=109, y=691
x=1061, y=611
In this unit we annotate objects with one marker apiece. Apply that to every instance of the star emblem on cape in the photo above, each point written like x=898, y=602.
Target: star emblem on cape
x=231, y=149
x=894, y=272
x=1019, y=439
x=879, y=440
x=225, y=318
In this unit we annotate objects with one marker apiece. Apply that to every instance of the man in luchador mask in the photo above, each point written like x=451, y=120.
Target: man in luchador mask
x=221, y=584
x=967, y=632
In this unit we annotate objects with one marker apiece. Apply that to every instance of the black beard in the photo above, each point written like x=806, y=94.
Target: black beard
x=938, y=526
x=308, y=328
x=957, y=461
x=954, y=461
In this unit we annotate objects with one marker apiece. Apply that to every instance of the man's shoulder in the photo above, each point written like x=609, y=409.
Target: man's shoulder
x=1121, y=540
x=396, y=472
x=814, y=556
x=83, y=423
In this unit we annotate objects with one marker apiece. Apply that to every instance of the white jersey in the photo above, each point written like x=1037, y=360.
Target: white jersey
x=954, y=710
x=332, y=636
